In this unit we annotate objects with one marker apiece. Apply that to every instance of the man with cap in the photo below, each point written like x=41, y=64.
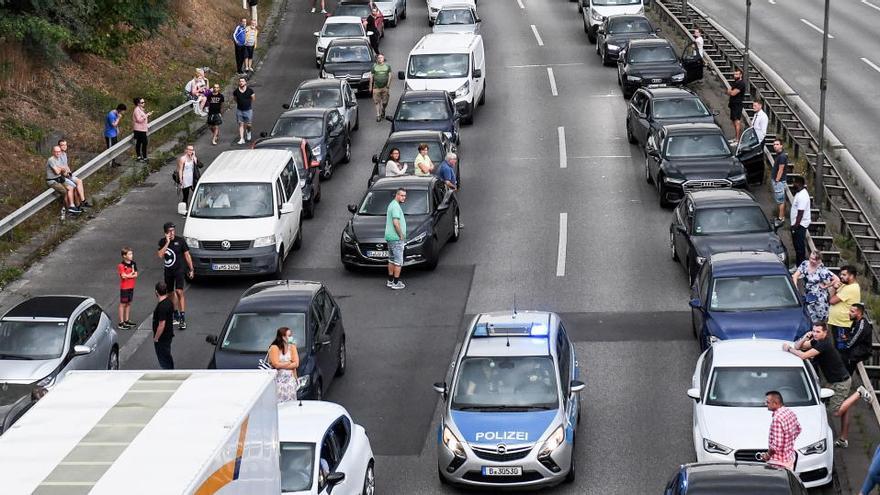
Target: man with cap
x=173, y=251
x=857, y=339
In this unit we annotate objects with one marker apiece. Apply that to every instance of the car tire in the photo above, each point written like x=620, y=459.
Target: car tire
x=113, y=361
x=598, y=50
x=648, y=178
x=434, y=259
x=591, y=36
x=369, y=480
x=350, y=268
x=570, y=476
x=483, y=95
x=357, y=120
x=672, y=250
x=694, y=327
x=318, y=196
x=403, y=14
x=661, y=190
x=580, y=7
x=327, y=173
x=629, y=135
x=309, y=208
x=586, y=27
x=393, y=23
x=278, y=274
x=456, y=228
x=298, y=242
x=443, y=480
x=346, y=156
x=341, y=358
x=468, y=119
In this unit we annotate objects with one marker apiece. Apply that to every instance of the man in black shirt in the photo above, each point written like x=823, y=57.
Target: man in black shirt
x=857, y=339
x=244, y=109
x=173, y=251
x=163, y=327
x=819, y=346
x=737, y=93
x=215, y=101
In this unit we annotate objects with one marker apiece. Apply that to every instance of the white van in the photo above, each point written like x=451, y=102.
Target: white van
x=245, y=214
x=451, y=62
x=595, y=12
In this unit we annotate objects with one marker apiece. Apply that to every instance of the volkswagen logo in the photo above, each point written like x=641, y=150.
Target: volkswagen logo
x=501, y=449
x=226, y=245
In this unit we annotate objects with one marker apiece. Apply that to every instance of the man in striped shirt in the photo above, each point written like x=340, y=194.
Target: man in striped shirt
x=784, y=430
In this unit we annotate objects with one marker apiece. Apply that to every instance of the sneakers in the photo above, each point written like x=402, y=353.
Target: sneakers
x=323, y=11
x=73, y=210
x=863, y=392
x=182, y=325
x=778, y=222
x=124, y=325
x=247, y=135
x=389, y=283
x=842, y=443
x=241, y=141
x=378, y=118
x=397, y=285
x=214, y=142
x=313, y=10
x=85, y=204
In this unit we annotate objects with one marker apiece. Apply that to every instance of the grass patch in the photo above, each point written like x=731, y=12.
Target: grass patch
x=29, y=133
x=9, y=274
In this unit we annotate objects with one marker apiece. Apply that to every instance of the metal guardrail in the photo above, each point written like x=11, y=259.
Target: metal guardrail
x=49, y=196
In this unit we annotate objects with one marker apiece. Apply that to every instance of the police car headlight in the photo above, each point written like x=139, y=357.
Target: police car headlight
x=302, y=382
x=553, y=442
x=678, y=77
x=192, y=242
x=453, y=443
x=268, y=240
x=715, y=447
x=814, y=448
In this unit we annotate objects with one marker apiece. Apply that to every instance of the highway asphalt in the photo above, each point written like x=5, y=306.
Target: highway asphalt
x=579, y=233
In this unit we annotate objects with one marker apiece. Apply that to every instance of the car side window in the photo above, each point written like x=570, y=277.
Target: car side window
x=327, y=305
x=563, y=350
x=439, y=193
x=279, y=194
x=93, y=315
x=318, y=320
x=649, y=107
x=289, y=179
x=341, y=431
x=328, y=457
x=80, y=332
x=638, y=101
x=689, y=215
x=704, y=371
x=705, y=280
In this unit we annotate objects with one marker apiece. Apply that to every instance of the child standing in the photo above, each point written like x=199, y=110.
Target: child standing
x=128, y=273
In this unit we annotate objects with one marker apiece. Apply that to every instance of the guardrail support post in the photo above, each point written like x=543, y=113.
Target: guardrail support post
x=818, y=172
x=746, y=50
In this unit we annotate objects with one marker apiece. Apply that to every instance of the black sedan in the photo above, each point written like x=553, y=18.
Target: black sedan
x=654, y=61
x=325, y=130
x=652, y=108
x=307, y=167
x=734, y=477
x=617, y=30
x=408, y=143
x=684, y=157
x=716, y=221
x=432, y=220
x=312, y=315
x=351, y=59
x=427, y=111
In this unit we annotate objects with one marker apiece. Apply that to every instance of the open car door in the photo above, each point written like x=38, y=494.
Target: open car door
x=751, y=153
x=692, y=63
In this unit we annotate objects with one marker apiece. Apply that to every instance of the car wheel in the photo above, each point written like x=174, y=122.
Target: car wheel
x=672, y=247
x=357, y=120
x=605, y=60
x=327, y=173
x=298, y=242
x=341, y=358
x=648, y=178
x=113, y=362
x=369, y=480
x=661, y=189
x=443, y=480
x=278, y=274
x=434, y=257
x=456, y=228
x=346, y=157
x=318, y=196
x=403, y=14
x=483, y=95
x=629, y=134
x=586, y=27
x=580, y=7
x=468, y=119
x=569, y=478
x=309, y=208
x=694, y=326
x=350, y=268
x=591, y=36
x=598, y=50
x=393, y=22
x=619, y=80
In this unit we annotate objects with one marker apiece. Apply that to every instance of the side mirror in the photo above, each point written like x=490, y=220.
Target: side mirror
x=389, y=118
x=352, y=104
x=695, y=303
x=478, y=20
x=641, y=115
x=369, y=33
x=440, y=388
x=657, y=30
x=826, y=393
x=286, y=208
x=478, y=73
x=652, y=151
x=81, y=350
x=211, y=339
x=335, y=478
x=375, y=159
x=317, y=34
x=181, y=208
x=681, y=229
x=264, y=134
x=352, y=208
x=401, y=75
x=694, y=393
x=577, y=386
x=286, y=106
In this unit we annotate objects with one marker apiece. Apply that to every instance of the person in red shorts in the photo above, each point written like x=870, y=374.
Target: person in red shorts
x=128, y=274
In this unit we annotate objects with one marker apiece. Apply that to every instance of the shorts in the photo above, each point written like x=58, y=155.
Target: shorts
x=395, y=252
x=380, y=96
x=736, y=112
x=215, y=119
x=244, y=116
x=248, y=51
x=175, y=280
x=841, y=392
x=126, y=295
x=58, y=187
x=779, y=192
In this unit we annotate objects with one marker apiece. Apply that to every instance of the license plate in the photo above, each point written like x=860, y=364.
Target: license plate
x=502, y=471
x=656, y=81
x=377, y=254
x=225, y=267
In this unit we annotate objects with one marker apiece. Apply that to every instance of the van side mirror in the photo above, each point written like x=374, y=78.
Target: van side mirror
x=375, y=158
x=181, y=209
x=317, y=34
x=694, y=393
x=478, y=20
x=440, y=388
x=286, y=106
x=478, y=73
x=286, y=208
x=826, y=393
x=264, y=134
x=370, y=33
x=401, y=75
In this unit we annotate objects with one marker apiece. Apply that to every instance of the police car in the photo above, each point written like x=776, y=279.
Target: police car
x=512, y=407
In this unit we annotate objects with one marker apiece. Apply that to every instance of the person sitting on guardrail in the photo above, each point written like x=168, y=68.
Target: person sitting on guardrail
x=56, y=180
x=72, y=179
x=195, y=90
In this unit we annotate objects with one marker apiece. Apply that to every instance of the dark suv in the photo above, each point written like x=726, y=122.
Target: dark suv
x=427, y=111
x=617, y=30
x=325, y=130
x=654, y=61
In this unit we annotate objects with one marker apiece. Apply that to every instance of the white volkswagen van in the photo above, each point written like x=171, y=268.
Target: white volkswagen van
x=451, y=62
x=246, y=214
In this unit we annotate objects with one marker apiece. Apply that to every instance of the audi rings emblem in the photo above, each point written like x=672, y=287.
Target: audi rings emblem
x=502, y=449
x=759, y=456
x=225, y=245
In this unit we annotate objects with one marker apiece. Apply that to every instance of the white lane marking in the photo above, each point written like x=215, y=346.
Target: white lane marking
x=563, y=239
x=527, y=66
x=872, y=64
x=520, y=4
x=816, y=28
x=869, y=4
x=592, y=157
x=537, y=36
x=553, y=90
x=772, y=2
x=563, y=155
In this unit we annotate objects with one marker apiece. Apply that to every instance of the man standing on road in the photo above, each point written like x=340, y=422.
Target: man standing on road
x=842, y=296
x=244, y=109
x=857, y=341
x=736, y=93
x=238, y=40
x=800, y=219
x=111, y=127
x=759, y=121
x=173, y=250
x=163, y=327
x=784, y=430
x=779, y=180
x=395, y=236
x=380, y=81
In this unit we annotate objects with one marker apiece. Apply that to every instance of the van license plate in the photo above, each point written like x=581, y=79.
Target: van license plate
x=377, y=254
x=225, y=267
x=502, y=471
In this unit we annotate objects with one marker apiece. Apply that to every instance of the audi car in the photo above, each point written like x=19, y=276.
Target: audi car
x=652, y=108
x=617, y=30
x=654, y=61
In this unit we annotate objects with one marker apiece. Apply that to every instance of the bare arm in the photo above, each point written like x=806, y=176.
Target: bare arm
x=189, y=263
x=397, y=228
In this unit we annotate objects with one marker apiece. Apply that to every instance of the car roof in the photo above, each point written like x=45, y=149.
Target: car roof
x=457, y=6
x=348, y=42
x=514, y=345
x=246, y=166
x=714, y=198
x=753, y=352
x=660, y=92
x=278, y=294
x=424, y=94
x=746, y=263
x=414, y=136
x=46, y=307
x=729, y=478
x=307, y=420
x=445, y=43
x=650, y=42
x=405, y=181
x=692, y=128
x=306, y=112
x=343, y=19
x=320, y=83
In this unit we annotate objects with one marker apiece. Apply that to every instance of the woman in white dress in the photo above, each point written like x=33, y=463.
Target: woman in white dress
x=284, y=358
x=393, y=167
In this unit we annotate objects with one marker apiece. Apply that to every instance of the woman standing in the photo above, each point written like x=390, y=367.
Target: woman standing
x=284, y=358
x=141, y=124
x=423, y=164
x=186, y=170
x=817, y=280
x=393, y=167
x=250, y=44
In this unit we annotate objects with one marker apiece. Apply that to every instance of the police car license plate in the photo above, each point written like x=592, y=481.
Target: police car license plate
x=225, y=267
x=377, y=254
x=502, y=471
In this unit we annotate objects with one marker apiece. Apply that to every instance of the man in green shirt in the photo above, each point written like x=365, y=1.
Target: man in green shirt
x=395, y=236
x=380, y=82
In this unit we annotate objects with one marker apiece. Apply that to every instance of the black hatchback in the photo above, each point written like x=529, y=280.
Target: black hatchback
x=325, y=130
x=307, y=167
x=427, y=111
x=311, y=313
x=408, y=143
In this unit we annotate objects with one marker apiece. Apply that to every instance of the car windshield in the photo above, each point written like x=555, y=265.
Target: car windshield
x=747, y=387
x=438, y=66
x=317, y=98
x=609, y=3
x=307, y=127
x=348, y=54
x=356, y=10
x=233, y=200
x=697, y=146
x=376, y=202
x=650, y=54
x=741, y=220
x=509, y=383
x=29, y=340
x=410, y=149
x=423, y=110
x=455, y=16
x=752, y=293
x=623, y=26
x=254, y=332
x=342, y=29
x=677, y=108
x=297, y=465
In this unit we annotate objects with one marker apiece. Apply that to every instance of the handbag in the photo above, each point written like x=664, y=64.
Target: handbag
x=264, y=364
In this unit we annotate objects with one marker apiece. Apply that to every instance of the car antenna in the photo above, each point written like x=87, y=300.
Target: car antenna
x=514, y=304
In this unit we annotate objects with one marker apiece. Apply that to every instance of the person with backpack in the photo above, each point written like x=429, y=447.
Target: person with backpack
x=857, y=341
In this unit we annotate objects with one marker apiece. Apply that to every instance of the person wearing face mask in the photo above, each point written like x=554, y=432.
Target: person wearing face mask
x=283, y=357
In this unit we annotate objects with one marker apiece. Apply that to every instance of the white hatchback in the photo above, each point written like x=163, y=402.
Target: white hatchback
x=323, y=450
x=731, y=422
x=343, y=26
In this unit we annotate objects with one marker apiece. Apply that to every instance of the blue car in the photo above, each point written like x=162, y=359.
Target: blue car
x=741, y=294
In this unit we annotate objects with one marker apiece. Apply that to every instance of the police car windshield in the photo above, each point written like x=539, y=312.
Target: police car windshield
x=297, y=462
x=506, y=383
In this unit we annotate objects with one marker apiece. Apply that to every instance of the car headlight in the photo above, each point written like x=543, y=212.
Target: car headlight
x=434, y=10
x=365, y=75
x=268, y=240
x=326, y=75
x=596, y=16
x=448, y=134
x=192, y=242
x=737, y=178
x=321, y=49
x=387, y=12
x=700, y=260
x=553, y=442
x=316, y=150
x=715, y=447
x=814, y=448
x=346, y=237
x=633, y=78
x=47, y=382
x=672, y=180
x=302, y=382
x=612, y=48
x=678, y=77
x=463, y=90
x=781, y=256
x=417, y=239
x=453, y=443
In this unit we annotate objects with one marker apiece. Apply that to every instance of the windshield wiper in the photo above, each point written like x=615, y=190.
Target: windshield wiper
x=16, y=356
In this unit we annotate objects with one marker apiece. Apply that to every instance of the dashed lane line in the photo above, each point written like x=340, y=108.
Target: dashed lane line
x=873, y=6
x=871, y=64
x=563, y=240
x=537, y=36
x=553, y=89
x=519, y=2
x=563, y=155
x=816, y=28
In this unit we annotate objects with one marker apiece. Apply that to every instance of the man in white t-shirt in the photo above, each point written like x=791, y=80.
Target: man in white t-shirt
x=759, y=120
x=800, y=219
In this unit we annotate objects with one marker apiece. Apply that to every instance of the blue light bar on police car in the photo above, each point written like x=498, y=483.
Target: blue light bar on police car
x=511, y=330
